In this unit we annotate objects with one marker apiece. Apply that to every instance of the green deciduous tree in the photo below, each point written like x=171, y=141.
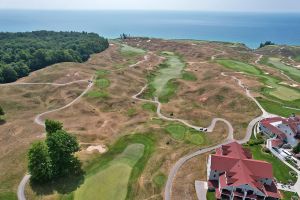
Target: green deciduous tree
x=62, y=147
x=39, y=162
x=52, y=126
x=8, y=74
x=2, y=111
x=296, y=149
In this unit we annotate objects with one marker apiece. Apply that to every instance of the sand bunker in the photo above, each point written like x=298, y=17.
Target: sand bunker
x=99, y=148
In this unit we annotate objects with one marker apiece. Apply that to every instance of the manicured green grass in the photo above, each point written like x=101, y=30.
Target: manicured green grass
x=285, y=93
x=239, y=66
x=195, y=138
x=276, y=108
x=276, y=91
x=159, y=180
x=177, y=131
x=168, y=91
x=182, y=133
x=288, y=195
x=288, y=70
x=297, y=58
x=97, y=94
x=111, y=182
x=162, y=81
x=102, y=83
x=210, y=195
x=280, y=170
x=149, y=107
x=129, y=51
x=114, y=174
x=189, y=76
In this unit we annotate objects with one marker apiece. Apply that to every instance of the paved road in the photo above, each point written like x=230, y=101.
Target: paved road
x=39, y=121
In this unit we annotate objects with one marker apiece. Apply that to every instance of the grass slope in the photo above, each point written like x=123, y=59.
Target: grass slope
x=280, y=170
x=163, y=82
x=117, y=170
x=111, y=182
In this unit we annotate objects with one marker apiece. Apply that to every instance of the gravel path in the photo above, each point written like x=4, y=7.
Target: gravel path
x=39, y=121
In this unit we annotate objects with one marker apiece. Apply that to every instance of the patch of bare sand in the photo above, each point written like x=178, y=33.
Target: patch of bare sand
x=100, y=148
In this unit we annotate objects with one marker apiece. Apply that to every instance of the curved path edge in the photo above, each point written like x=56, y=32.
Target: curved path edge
x=39, y=121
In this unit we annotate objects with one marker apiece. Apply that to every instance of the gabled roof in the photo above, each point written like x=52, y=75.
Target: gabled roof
x=268, y=124
x=238, y=168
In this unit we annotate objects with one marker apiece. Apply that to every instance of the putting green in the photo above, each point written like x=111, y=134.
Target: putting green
x=278, y=91
x=290, y=71
x=177, y=131
x=102, y=82
x=112, y=181
x=239, y=66
x=172, y=71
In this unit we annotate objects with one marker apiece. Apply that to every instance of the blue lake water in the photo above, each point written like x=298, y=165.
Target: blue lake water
x=248, y=28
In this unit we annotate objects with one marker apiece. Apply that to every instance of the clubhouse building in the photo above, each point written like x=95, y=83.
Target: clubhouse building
x=235, y=175
x=285, y=130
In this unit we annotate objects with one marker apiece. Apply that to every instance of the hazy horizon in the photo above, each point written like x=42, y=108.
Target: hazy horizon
x=166, y=5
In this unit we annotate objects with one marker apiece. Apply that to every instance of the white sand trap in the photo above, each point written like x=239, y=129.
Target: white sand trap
x=269, y=86
x=99, y=148
x=291, y=85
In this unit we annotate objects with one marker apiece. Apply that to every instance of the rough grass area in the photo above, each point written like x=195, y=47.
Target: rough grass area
x=131, y=112
x=278, y=91
x=280, y=170
x=288, y=70
x=189, y=76
x=159, y=180
x=149, y=107
x=114, y=174
x=240, y=66
x=162, y=81
x=276, y=108
x=97, y=94
x=102, y=73
x=182, y=133
x=8, y=196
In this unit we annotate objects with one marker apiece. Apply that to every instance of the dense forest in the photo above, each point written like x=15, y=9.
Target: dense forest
x=21, y=53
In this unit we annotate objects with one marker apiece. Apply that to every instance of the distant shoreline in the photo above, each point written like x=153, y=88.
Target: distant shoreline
x=250, y=28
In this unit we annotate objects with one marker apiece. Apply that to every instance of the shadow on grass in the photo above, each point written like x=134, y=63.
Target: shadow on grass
x=64, y=185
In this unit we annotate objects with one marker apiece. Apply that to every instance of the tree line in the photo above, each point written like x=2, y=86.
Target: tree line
x=21, y=53
x=2, y=113
x=54, y=157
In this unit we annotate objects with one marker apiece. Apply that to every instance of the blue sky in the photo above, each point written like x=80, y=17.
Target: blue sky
x=205, y=5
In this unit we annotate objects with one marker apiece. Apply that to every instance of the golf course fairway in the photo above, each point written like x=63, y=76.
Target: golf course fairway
x=112, y=181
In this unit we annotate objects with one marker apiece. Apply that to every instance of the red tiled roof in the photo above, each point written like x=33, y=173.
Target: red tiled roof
x=239, y=168
x=293, y=123
x=267, y=123
x=276, y=143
